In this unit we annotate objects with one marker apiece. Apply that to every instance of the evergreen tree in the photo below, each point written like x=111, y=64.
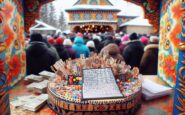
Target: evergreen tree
x=44, y=13
x=62, y=21
x=52, y=16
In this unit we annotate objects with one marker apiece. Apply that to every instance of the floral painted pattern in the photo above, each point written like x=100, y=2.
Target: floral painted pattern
x=2, y=67
x=14, y=67
x=170, y=31
x=12, y=50
x=170, y=67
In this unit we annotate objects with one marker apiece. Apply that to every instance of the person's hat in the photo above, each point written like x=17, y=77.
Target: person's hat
x=133, y=36
x=36, y=37
x=51, y=40
x=67, y=42
x=154, y=39
x=59, y=41
x=144, y=40
x=125, y=38
x=79, y=35
x=90, y=44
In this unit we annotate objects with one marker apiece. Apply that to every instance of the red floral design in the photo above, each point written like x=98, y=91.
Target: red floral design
x=8, y=11
x=169, y=67
x=2, y=67
x=10, y=35
x=14, y=67
x=174, y=35
x=177, y=11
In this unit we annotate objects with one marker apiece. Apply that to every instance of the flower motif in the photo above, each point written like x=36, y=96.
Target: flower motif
x=176, y=10
x=2, y=67
x=170, y=67
x=174, y=35
x=8, y=11
x=10, y=35
x=14, y=67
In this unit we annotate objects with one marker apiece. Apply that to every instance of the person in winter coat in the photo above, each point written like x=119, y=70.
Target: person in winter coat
x=119, y=44
x=91, y=46
x=80, y=47
x=125, y=40
x=97, y=42
x=62, y=52
x=68, y=45
x=133, y=52
x=108, y=39
x=149, y=60
x=50, y=42
x=112, y=50
x=144, y=40
x=38, y=56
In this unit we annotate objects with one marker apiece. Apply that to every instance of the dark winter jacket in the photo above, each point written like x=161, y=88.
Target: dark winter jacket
x=80, y=47
x=62, y=52
x=98, y=45
x=133, y=53
x=39, y=57
x=149, y=60
x=71, y=51
x=108, y=40
x=51, y=48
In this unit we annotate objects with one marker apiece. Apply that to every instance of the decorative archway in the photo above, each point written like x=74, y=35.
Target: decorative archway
x=151, y=9
x=172, y=25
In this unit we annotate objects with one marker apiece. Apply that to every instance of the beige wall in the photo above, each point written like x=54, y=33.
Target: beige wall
x=139, y=29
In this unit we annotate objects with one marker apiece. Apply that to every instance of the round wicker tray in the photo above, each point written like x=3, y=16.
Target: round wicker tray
x=127, y=105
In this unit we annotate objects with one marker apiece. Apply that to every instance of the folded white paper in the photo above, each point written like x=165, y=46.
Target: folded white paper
x=38, y=85
x=30, y=102
x=34, y=78
x=47, y=74
x=151, y=90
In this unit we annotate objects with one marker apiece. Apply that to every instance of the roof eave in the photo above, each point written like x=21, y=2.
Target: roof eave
x=74, y=10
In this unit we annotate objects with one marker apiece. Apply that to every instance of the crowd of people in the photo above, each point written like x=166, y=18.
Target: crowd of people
x=136, y=50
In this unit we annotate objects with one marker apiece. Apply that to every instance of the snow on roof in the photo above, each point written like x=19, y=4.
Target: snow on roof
x=140, y=21
x=92, y=21
x=42, y=26
x=127, y=14
x=93, y=7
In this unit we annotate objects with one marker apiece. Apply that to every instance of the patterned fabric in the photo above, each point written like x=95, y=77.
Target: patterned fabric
x=170, y=33
x=12, y=50
x=4, y=96
x=179, y=106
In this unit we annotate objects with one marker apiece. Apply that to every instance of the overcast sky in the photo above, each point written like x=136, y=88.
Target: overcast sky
x=126, y=7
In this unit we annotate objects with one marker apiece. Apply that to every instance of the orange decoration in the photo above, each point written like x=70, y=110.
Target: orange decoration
x=169, y=67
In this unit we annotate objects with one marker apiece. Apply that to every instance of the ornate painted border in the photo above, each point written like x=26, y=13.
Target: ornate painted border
x=150, y=7
x=179, y=98
x=60, y=106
